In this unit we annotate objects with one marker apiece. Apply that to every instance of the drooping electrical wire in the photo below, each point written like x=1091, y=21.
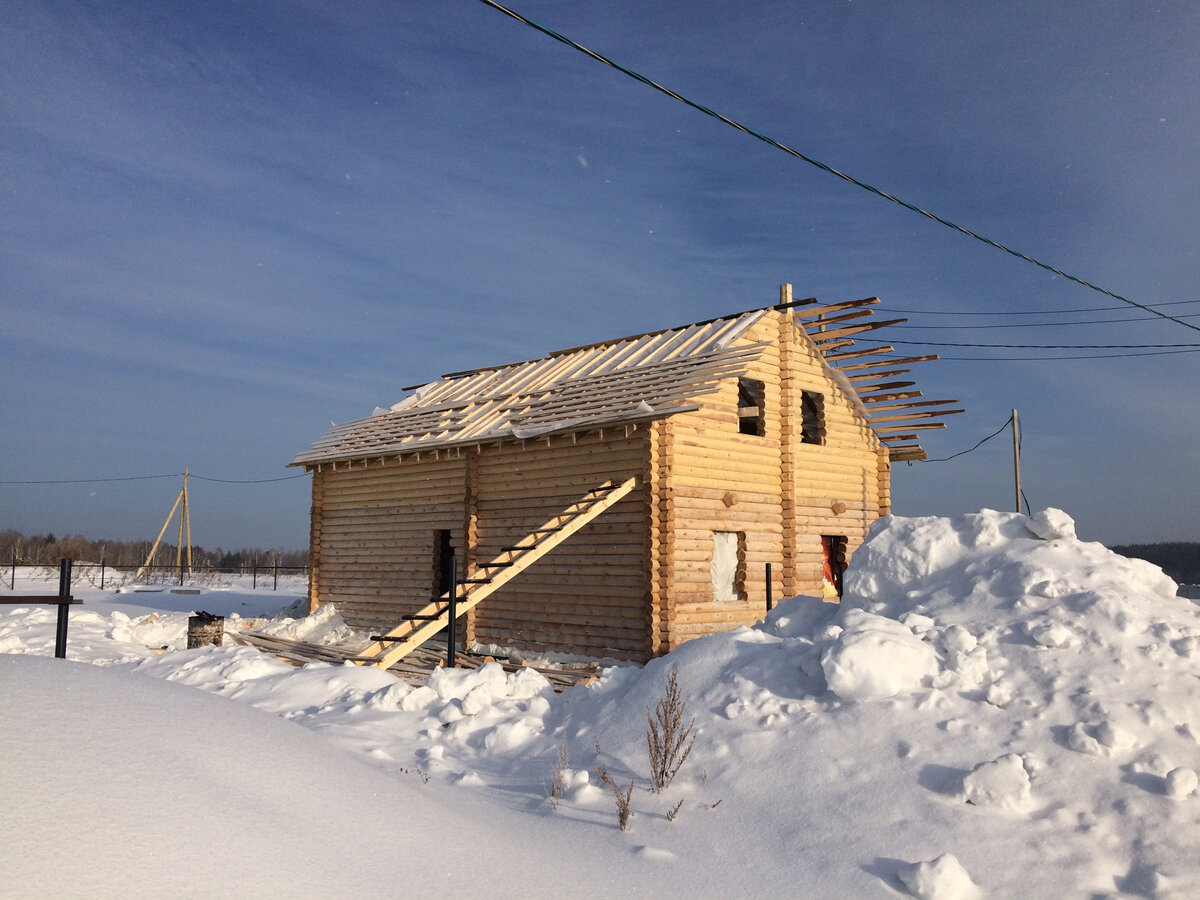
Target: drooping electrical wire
x=1034, y=324
x=95, y=480
x=1007, y=424
x=1043, y=357
x=826, y=168
x=1182, y=348
x=250, y=480
x=1027, y=312
x=148, y=477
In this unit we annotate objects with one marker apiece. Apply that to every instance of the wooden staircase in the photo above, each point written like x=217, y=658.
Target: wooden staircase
x=490, y=577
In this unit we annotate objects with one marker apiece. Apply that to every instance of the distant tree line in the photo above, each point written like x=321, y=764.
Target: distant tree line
x=47, y=549
x=1179, y=560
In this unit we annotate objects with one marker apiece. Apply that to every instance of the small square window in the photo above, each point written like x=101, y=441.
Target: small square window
x=750, y=407
x=812, y=415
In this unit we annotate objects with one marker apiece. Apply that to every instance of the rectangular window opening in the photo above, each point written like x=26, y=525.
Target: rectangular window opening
x=750, y=407
x=812, y=416
x=833, y=565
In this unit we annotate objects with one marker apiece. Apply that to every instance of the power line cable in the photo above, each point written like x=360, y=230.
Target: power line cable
x=1042, y=346
x=826, y=168
x=1048, y=358
x=1037, y=324
x=1028, y=312
x=250, y=480
x=999, y=430
x=95, y=480
x=148, y=477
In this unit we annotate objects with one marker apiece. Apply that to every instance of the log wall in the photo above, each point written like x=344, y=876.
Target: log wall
x=373, y=534
x=716, y=479
x=778, y=492
x=637, y=582
x=591, y=595
x=838, y=487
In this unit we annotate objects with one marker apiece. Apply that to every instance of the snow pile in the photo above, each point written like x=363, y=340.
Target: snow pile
x=995, y=709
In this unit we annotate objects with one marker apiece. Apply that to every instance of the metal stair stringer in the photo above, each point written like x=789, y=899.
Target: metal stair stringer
x=490, y=577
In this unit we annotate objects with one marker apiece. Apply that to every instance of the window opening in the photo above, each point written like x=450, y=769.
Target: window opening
x=728, y=568
x=833, y=564
x=812, y=415
x=750, y=407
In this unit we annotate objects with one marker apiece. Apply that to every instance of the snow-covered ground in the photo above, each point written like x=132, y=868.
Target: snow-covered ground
x=996, y=709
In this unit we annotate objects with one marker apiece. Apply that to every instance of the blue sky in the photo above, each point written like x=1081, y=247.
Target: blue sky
x=226, y=225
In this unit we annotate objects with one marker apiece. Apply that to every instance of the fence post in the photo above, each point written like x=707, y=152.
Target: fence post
x=275, y=587
x=769, y=600
x=64, y=591
x=13, y=573
x=453, y=611
x=254, y=576
x=102, y=573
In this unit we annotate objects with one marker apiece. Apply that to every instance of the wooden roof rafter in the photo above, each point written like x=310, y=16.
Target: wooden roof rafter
x=632, y=380
x=825, y=309
x=872, y=373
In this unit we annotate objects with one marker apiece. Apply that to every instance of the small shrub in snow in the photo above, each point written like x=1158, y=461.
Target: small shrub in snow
x=623, y=797
x=668, y=740
x=559, y=778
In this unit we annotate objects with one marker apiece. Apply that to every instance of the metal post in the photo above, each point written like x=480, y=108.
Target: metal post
x=102, y=573
x=1016, y=430
x=275, y=587
x=450, y=636
x=770, y=604
x=64, y=591
x=13, y=574
x=254, y=582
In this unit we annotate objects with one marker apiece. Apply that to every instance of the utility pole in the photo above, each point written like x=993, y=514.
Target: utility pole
x=1016, y=430
x=185, y=529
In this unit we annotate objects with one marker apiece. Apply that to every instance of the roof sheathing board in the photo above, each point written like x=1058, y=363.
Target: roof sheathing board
x=631, y=379
x=627, y=380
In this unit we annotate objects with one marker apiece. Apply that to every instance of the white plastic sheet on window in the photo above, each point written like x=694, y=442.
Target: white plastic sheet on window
x=724, y=566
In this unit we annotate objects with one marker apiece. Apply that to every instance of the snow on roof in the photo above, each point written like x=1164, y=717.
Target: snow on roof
x=638, y=378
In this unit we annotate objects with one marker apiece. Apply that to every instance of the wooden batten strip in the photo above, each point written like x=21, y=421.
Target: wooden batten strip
x=866, y=377
x=915, y=415
x=902, y=361
x=867, y=390
x=848, y=330
x=889, y=397
x=818, y=325
x=811, y=311
x=826, y=346
x=835, y=358
x=922, y=425
x=912, y=405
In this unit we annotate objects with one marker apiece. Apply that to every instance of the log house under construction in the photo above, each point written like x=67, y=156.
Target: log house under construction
x=620, y=498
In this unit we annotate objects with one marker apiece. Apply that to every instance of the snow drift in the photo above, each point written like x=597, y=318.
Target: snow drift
x=995, y=709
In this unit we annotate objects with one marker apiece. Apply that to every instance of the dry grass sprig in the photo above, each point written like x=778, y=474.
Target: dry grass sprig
x=623, y=797
x=560, y=775
x=668, y=741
